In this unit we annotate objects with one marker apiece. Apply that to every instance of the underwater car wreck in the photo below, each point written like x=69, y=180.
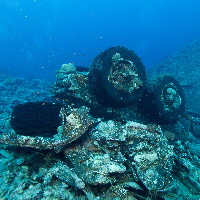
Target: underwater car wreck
x=111, y=149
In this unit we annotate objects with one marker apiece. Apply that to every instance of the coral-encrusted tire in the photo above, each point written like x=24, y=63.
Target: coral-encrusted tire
x=36, y=119
x=117, y=77
x=164, y=98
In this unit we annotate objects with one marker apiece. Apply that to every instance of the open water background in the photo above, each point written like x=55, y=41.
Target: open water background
x=37, y=36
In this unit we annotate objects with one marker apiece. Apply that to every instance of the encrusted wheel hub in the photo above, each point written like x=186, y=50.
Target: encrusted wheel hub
x=123, y=74
x=170, y=98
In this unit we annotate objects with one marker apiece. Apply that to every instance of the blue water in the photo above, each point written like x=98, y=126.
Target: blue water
x=37, y=36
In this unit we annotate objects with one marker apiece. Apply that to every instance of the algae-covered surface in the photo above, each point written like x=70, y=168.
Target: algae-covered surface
x=123, y=157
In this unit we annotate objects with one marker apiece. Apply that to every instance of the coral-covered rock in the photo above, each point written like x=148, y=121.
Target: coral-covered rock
x=93, y=164
x=146, y=147
x=151, y=155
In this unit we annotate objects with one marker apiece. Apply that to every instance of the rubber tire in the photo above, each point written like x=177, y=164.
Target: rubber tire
x=36, y=119
x=152, y=99
x=105, y=92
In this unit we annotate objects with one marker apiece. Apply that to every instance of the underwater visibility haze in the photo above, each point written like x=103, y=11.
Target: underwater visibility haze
x=37, y=36
x=100, y=100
